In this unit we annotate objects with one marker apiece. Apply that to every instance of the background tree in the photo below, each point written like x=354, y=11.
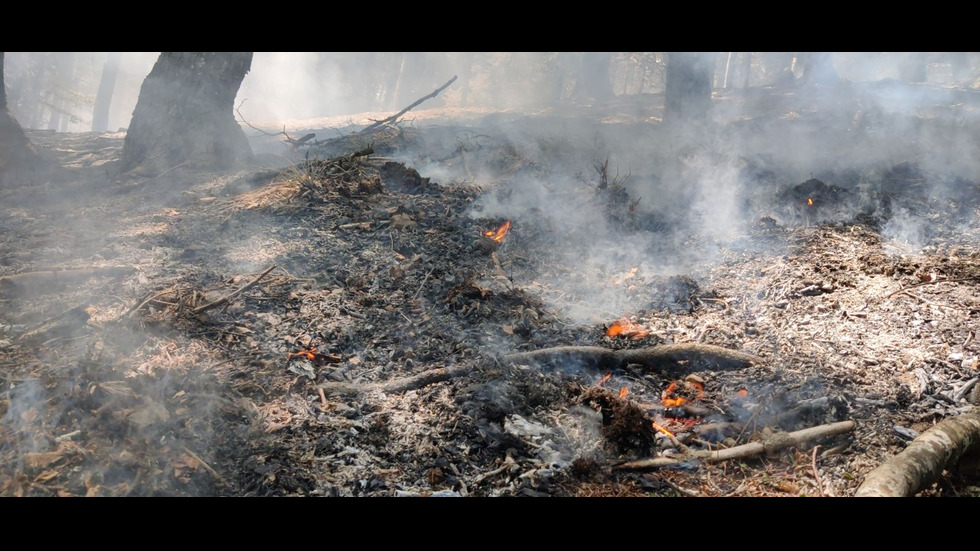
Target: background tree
x=185, y=113
x=687, y=96
x=15, y=149
x=103, y=98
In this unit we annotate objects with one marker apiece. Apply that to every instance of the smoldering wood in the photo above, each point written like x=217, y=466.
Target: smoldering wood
x=925, y=459
x=769, y=445
x=396, y=116
x=673, y=358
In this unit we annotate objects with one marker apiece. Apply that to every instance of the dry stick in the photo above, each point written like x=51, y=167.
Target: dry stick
x=394, y=117
x=665, y=356
x=924, y=460
x=235, y=293
x=776, y=442
x=207, y=467
x=149, y=299
x=930, y=303
x=400, y=385
x=426, y=278
x=816, y=474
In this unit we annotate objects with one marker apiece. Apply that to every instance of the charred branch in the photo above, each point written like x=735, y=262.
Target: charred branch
x=670, y=357
x=397, y=115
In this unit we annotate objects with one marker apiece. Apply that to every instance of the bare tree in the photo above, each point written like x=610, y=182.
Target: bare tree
x=103, y=98
x=185, y=113
x=687, y=97
x=15, y=149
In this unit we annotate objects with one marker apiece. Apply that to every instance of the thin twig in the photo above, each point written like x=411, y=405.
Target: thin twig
x=394, y=117
x=426, y=278
x=816, y=474
x=204, y=464
x=235, y=293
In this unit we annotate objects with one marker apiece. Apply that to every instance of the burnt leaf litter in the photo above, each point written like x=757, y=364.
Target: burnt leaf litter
x=369, y=360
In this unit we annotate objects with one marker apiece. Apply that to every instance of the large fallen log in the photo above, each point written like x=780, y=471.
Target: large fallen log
x=671, y=357
x=769, y=445
x=925, y=459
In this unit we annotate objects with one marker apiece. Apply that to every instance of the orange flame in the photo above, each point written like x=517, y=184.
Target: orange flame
x=743, y=392
x=623, y=392
x=623, y=327
x=309, y=354
x=604, y=378
x=669, y=399
x=662, y=429
x=498, y=235
x=809, y=201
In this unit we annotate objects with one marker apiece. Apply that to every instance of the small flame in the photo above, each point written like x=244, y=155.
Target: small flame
x=604, y=378
x=743, y=392
x=498, y=235
x=623, y=327
x=671, y=400
x=809, y=201
x=309, y=353
x=662, y=429
x=623, y=392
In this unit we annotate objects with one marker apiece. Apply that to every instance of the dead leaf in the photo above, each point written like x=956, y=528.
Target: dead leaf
x=39, y=460
x=508, y=329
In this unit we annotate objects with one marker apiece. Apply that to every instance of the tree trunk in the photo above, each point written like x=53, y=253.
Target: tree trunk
x=746, y=69
x=913, y=67
x=103, y=98
x=818, y=68
x=16, y=151
x=687, y=97
x=185, y=113
x=593, y=81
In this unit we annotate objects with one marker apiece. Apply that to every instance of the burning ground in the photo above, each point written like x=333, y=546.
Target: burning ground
x=487, y=311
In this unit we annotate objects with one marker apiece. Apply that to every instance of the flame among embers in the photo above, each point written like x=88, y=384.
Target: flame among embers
x=498, y=235
x=670, y=399
x=809, y=202
x=625, y=328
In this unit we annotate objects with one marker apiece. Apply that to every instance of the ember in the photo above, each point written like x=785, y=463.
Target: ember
x=625, y=328
x=809, y=201
x=314, y=356
x=498, y=235
x=604, y=378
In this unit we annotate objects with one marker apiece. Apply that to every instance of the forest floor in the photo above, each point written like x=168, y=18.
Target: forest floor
x=328, y=321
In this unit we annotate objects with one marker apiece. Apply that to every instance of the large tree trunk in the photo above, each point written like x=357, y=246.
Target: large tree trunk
x=185, y=113
x=103, y=98
x=593, y=80
x=687, y=97
x=16, y=151
x=818, y=68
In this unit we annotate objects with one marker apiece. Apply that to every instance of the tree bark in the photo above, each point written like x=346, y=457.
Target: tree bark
x=593, y=80
x=103, y=98
x=818, y=68
x=687, y=97
x=185, y=113
x=925, y=459
x=16, y=150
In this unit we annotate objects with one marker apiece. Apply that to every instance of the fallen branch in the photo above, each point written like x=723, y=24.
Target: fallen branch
x=395, y=117
x=769, y=445
x=924, y=460
x=234, y=293
x=403, y=384
x=655, y=357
